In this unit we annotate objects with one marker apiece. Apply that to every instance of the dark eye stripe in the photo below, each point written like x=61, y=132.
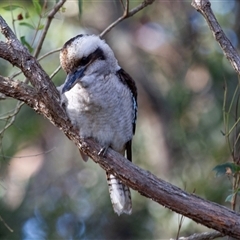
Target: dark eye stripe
x=97, y=54
x=83, y=61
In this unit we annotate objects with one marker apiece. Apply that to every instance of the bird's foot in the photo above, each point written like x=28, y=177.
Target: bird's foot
x=103, y=151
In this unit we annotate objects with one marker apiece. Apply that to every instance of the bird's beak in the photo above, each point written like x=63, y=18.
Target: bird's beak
x=72, y=79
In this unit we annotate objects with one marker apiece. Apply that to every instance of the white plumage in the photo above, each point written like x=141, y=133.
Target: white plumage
x=100, y=99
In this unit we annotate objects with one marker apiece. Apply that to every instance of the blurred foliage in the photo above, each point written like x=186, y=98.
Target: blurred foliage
x=48, y=192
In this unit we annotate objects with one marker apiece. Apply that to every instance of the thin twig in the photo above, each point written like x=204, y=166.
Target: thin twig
x=55, y=72
x=5, y=224
x=180, y=226
x=49, y=53
x=202, y=236
x=30, y=155
x=48, y=23
x=122, y=4
x=15, y=74
x=12, y=116
x=127, y=14
x=36, y=30
x=126, y=10
x=235, y=191
x=13, y=20
x=8, y=114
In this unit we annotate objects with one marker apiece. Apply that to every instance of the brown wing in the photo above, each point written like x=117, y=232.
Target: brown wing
x=125, y=78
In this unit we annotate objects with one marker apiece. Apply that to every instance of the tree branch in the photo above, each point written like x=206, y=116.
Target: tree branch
x=202, y=211
x=18, y=55
x=204, y=7
x=21, y=92
x=202, y=236
x=127, y=14
x=50, y=16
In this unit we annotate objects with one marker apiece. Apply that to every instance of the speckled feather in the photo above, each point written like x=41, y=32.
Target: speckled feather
x=102, y=103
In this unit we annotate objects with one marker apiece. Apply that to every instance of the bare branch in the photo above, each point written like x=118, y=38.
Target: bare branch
x=18, y=55
x=202, y=236
x=55, y=72
x=201, y=211
x=5, y=224
x=52, y=13
x=12, y=113
x=126, y=11
x=39, y=59
x=127, y=14
x=204, y=7
x=19, y=90
x=49, y=53
x=180, y=225
x=11, y=118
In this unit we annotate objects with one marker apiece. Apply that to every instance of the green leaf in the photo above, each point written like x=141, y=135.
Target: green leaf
x=40, y=27
x=37, y=7
x=11, y=7
x=27, y=15
x=229, y=198
x=27, y=25
x=25, y=43
x=226, y=168
x=63, y=9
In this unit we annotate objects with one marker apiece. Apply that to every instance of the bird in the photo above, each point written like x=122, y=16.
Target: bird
x=100, y=99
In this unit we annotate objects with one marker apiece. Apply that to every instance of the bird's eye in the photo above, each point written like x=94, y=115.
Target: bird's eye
x=84, y=61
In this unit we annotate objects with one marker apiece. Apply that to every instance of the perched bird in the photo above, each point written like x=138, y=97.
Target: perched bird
x=101, y=100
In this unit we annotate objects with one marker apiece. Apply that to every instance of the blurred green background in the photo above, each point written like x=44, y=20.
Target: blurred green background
x=48, y=192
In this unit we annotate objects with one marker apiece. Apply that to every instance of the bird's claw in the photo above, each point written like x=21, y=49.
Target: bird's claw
x=103, y=151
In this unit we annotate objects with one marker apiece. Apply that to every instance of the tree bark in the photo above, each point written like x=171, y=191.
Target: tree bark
x=44, y=99
x=204, y=7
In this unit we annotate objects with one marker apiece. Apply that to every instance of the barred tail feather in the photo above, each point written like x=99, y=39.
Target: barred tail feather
x=120, y=195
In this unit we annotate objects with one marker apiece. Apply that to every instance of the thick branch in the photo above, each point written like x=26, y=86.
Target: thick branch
x=201, y=211
x=202, y=236
x=204, y=7
x=18, y=55
x=22, y=92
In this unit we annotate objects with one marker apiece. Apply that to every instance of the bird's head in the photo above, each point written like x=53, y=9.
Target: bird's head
x=85, y=55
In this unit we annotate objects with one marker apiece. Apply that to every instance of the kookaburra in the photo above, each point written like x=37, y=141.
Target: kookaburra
x=101, y=101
